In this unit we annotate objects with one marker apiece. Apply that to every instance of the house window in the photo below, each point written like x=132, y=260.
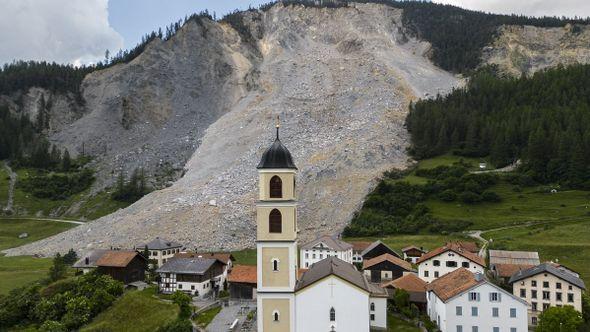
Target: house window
x=459, y=311
x=436, y=262
x=275, y=264
x=275, y=223
x=569, y=287
x=465, y=264
x=436, y=274
x=313, y=256
x=306, y=264
x=474, y=329
x=545, y=306
x=275, y=316
x=473, y=296
x=545, y=284
x=522, y=292
x=558, y=297
x=372, y=317
x=179, y=286
x=495, y=312
x=459, y=328
x=495, y=329
x=321, y=256
x=372, y=306
x=426, y=274
x=192, y=287
x=534, y=283
x=558, y=285
x=494, y=297
x=276, y=187
x=512, y=312
x=513, y=329
x=474, y=311
x=306, y=255
x=570, y=297
x=534, y=306
x=332, y=315
x=546, y=295
x=533, y=294
x=451, y=264
x=534, y=320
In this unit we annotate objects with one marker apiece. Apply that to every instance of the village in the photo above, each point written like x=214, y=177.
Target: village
x=333, y=285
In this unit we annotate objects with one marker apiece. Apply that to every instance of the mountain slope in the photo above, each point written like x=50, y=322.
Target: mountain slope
x=340, y=79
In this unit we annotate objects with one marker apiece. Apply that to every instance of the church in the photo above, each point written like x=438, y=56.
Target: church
x=331, y=295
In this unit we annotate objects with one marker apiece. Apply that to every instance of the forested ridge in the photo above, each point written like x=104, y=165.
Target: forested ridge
x=543, y=120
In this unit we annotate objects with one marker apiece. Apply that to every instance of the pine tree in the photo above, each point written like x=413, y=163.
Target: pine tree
x=66, y=161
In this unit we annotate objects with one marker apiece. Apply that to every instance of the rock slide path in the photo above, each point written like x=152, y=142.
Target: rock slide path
x=11, y=185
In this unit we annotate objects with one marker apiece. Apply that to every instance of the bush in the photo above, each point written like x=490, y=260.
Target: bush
x=469, y=197
x=490, y=196
x=179, y=325
x=58, y=186
x=448, y=195
x=52, y=326
x=223, y=293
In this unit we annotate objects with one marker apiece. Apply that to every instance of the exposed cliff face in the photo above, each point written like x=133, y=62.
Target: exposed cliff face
x=340, y=79
x=527, y=49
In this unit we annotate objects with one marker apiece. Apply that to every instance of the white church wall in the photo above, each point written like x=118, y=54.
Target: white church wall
x=312, y=307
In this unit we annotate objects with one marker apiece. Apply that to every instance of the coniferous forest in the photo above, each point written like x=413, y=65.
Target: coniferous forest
x=541, y=120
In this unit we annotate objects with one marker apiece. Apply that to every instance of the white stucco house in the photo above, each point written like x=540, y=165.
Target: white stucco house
x=547, y=285
x=333, y=296
x=461, y=301
x=448, y=258
x=324, y=247
x=161, y=250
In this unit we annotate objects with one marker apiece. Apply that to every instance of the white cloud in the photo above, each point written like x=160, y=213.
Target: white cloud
x=64, y=31
x=569, y=8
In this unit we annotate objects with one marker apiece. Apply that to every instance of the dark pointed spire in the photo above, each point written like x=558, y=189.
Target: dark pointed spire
x=277, y=155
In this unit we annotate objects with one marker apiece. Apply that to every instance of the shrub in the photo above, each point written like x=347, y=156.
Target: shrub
x=52, y=326
x=448, y=195
x=490, y=196
x=469, y=197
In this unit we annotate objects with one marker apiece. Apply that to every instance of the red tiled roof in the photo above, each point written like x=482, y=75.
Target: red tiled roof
x=116, y=258
x=468, y=245
x=409, y=282
x=507, y=270
x=453, y=283
x=454, y=247
x=245, y=274
x=387, y=257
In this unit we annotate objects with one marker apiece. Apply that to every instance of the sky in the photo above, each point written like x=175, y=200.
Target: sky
x=80, y=31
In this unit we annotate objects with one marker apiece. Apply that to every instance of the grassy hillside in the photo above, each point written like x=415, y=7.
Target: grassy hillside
x=135, y=311
x=22, y=270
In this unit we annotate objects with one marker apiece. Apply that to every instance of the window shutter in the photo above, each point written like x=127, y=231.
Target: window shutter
x=491, y=297
x=477, y=295
x=499, y=297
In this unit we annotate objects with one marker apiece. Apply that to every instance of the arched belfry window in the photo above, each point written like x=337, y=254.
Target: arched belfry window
x=275, y=316
x=275, y=264
x=332, y=315
x=275, y=222
x=276, y=187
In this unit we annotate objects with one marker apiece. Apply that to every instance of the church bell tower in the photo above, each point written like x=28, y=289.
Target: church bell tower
x=276, y=245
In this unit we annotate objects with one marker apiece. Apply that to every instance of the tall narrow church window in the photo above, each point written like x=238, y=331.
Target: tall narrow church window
x=275, y=264
x=276, y=187
x=372, y=306
x=332, y=315
x=275, y=222
x=275, y=316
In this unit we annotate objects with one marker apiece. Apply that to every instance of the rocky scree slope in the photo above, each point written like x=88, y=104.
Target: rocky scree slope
x=341, y=80
x=527, y=49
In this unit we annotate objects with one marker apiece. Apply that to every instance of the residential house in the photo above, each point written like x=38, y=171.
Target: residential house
x=324, y=247
x=224, y=257
x=412, y=253
x=386, y=267
x=461, y=301
x=544, y=286
x=357, y=250
x=378, y=248
x=448, y=258
x=413, y=285
x=505, y=263
x=161, y=250
x=87, y=262
x=193, y=275
x=333, y=294
x=242, y=282
x=123, y=265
